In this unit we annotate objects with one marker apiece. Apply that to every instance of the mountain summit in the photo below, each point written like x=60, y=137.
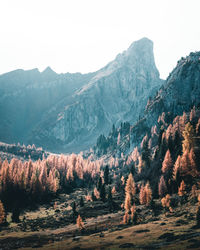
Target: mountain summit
x=118, y=92
x=72, y=120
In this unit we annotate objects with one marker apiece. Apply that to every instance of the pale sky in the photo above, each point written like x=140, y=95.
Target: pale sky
x=84, y=35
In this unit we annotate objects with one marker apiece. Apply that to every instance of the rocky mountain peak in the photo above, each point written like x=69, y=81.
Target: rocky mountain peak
x=68, y=112
x=138, y=57
x=140, y=46
x=48, y=70
x=48, y=73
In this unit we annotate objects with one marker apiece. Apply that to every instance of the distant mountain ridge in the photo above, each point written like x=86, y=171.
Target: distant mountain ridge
x=67, y=112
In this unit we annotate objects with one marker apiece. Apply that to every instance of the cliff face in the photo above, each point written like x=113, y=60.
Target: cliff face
x=180, y=92
x=118, y=92
x=26, y=96
x=71, y=119
x=181, y=89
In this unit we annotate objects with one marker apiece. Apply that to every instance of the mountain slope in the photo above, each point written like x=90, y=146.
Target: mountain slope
x=179, y=93
x=25, y=96
x=182, y=87
x=116, y=93
x=67, y=112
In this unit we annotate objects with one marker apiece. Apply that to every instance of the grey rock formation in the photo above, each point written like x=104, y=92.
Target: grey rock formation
x=118, y=92
x=27, y=96
x=180, y=92
x=78, y=108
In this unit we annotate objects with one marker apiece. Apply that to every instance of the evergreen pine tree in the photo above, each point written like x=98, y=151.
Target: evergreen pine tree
x=103, y=193
x=74, y=207
x=81, y=202
x=99, y=184
x=110, y=199
x=106, y=175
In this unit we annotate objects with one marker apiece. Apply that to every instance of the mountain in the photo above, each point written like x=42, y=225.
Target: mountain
x=181, y=90
x=26, y=96
x=67, y=112
x=179, y=93
x=116, y=93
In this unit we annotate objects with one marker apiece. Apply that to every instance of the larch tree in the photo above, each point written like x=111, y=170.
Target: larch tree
x=182, y=189
x=133, y=214
x=130, y=191
x=167, y=165
x=96, y=193
x=194, y=171
x=166, y=202
x=188, y=135
x=148, y=194
x=177, y=167
x=130, y=185
x=142, y=195
x=188, y=165
x=145, y=195
x=126, y=218
x=79, y=223
x=162, y=188
x=198, y=128
x=192, y=114
x=127, y=202
x=2, y=213
x=167, y=162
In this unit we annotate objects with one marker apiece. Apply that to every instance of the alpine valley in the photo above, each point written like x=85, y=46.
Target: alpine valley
x=104, y=160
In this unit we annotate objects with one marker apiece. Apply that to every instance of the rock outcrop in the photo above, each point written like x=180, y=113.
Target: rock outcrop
x=179, y=93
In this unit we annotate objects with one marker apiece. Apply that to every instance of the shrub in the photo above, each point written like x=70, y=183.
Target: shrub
x=166, y=202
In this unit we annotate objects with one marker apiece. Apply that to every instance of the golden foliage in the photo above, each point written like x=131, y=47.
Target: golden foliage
x=167, y=162
x=130, y=185
x=126, y=218
x=79, y=222
x=182, y=189
x=145, y=195
x=88, y=197
x=166, y=201
x=96, y=193
x=2, y=213
x=127, y=203
x=188, y=135
x=114, y=190
x=133, y=212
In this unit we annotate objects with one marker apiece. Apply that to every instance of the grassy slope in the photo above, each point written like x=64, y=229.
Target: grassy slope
x=105, y=230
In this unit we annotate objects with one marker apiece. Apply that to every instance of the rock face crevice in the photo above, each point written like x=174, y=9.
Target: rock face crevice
x=116, y=93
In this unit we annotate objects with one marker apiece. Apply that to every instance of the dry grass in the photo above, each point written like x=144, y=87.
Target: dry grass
x=170, y=230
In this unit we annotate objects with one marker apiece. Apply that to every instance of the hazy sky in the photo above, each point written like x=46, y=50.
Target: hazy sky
x=84, y=35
